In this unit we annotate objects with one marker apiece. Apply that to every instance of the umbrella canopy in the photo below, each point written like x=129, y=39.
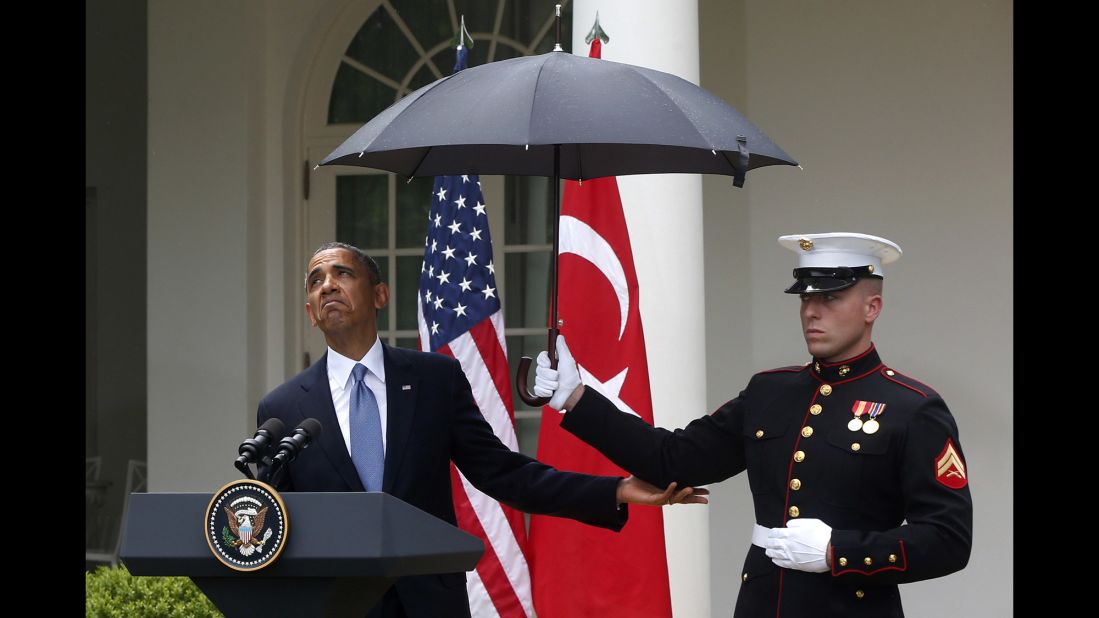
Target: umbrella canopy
x=564, y=116
x=605, y=118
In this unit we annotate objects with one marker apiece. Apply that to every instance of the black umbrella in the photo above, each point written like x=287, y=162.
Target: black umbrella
x=564, y=116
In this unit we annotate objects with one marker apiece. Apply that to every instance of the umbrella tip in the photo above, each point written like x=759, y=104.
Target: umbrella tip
x=316, y=167
x=800, y=167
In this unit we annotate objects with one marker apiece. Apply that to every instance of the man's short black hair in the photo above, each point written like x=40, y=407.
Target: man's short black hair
x=360, y=255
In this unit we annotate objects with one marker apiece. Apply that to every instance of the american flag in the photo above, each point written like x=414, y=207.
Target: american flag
x=459, y=315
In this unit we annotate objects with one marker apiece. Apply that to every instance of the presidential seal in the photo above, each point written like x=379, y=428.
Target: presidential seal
x=246, y=525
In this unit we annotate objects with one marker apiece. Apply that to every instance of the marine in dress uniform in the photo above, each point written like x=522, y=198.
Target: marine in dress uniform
x=857, y=473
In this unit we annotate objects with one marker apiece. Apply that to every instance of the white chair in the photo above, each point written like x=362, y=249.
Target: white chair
x=137, y=480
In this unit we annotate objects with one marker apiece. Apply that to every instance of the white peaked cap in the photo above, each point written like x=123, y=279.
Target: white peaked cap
x=835, y=249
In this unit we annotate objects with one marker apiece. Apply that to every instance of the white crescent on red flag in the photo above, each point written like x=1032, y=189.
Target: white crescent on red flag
x=576, y=569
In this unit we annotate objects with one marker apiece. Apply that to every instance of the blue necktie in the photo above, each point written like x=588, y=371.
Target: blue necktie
x=366, y=432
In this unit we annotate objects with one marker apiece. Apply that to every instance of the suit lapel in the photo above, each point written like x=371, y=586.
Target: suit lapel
x=400, y=392
x=317, y=404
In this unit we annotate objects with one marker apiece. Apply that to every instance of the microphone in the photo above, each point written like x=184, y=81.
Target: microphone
x=290, y=446
x=253, y=449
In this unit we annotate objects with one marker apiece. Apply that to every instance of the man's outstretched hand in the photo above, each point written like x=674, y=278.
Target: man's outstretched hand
x=635, y=491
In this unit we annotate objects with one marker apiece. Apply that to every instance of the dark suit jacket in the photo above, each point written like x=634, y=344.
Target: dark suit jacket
x=428, y=425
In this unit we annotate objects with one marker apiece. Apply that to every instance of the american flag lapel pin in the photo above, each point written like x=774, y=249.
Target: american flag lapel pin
x=406, y=387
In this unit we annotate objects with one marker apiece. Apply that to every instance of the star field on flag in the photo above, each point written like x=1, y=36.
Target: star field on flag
x=457, y=282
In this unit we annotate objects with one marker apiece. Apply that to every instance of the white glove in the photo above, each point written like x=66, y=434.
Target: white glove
x=557, y=384
x=801, y=545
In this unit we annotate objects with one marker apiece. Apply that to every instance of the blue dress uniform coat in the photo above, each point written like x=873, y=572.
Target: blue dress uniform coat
x=433, y=421
x=897, y=500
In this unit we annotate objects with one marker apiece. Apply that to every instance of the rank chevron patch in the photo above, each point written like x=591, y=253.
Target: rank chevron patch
x=949, y=467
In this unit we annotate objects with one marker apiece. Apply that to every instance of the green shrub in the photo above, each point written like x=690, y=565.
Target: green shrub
x=114, y=593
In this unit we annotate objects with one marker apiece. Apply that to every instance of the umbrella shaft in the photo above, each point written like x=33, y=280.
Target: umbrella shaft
x=553, y=325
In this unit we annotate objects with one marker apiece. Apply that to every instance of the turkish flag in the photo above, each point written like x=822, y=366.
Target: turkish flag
x=577, y=569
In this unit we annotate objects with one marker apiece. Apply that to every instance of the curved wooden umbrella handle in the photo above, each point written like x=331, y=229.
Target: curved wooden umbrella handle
x=524, y=367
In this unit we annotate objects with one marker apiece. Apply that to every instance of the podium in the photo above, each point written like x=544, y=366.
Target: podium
x=343, y=551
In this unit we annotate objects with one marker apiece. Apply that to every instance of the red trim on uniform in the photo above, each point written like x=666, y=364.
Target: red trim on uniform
x=850, y=360
x=858, y=377
x=892, y=379
x=861, y=376
x=786, y=505
x=790, y=468
x=904, y=556
x=778, y=606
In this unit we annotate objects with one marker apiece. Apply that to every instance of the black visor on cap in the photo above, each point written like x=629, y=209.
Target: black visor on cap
x=814, y=279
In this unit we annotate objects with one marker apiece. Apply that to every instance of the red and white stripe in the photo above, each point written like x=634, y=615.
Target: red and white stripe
x=500, y=585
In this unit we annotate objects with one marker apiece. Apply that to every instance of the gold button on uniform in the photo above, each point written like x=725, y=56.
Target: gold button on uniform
x=794, y=511
x=825, y=390
x=843, y=561
x=860, y=594
x=795, y=484
x=867, y=561
x=806, y=432
x=892, y=557
x=744, y=577
x=759, y=433
x=855, y=446
x=799, y=456
x=815, y=409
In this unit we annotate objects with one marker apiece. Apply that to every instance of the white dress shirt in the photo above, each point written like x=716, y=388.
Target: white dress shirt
x=340, y=381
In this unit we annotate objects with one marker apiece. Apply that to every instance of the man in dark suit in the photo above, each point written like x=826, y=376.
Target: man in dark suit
x=856, y=470
x=394, y=419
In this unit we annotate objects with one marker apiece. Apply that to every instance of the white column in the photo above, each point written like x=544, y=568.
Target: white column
x=199, y=191
x=664, y=217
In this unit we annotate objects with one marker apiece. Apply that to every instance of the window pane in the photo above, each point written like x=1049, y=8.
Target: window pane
x=382, y=46
x=477, y=56
x=518, y=347
x=526, y=431
x=527, y=210
x=424, y=76
x=383, y=314
x=357, y=97
x=527, y=283
x=506, y=52
x=480, y=14
x=429, y=20
x=413, y=204
x=406, y=290
x=409, y=343
x=362, y=211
